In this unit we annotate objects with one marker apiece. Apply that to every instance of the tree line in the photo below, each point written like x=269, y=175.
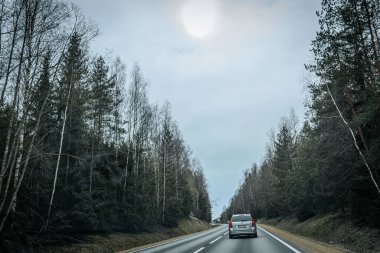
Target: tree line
x=332, y=161
x=82, y=148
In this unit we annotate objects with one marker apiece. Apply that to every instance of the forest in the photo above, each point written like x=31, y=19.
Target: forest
x=331, y=161
x=82, y=148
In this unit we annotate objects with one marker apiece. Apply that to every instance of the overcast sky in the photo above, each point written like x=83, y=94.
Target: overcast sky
x=230, y=69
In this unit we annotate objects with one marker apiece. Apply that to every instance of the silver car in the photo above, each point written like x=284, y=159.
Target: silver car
x=242, y=224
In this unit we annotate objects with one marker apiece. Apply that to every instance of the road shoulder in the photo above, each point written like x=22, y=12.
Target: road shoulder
x=304, y=243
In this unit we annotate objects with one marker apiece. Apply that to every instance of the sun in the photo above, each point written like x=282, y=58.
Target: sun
x=199, y=17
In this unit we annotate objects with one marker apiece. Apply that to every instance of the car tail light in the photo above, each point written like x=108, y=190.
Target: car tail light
x=253, y=222
x=231, y=223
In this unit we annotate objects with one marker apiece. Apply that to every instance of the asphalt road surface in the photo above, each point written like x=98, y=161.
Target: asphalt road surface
x=216, y=241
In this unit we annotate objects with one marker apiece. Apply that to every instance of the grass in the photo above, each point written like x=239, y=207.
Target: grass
x=333, y=229
x=122, y=241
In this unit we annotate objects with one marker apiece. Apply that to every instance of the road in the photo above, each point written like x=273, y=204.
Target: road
x=216, y=241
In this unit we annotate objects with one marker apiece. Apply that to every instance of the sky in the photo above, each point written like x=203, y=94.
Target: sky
x=229, y=68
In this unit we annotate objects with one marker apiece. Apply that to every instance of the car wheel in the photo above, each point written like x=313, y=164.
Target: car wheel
x=255, y=235
x=230, y=236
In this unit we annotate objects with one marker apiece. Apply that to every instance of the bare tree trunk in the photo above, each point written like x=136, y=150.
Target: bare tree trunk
x=116, y=137
x=354, y=139
x=92, y=158
x=144, y=175
x=27, y=96
x=1, y=18
x=14, y=104
x=14, y=37
x=373, y=37
x=25, y=164
x=242, y=199
x=69, y=126
x=18, y=165
x=360, y=131
x=125, y=175
x=136, y=160
x=127, y=163
x=157, y=174
x=164, y=187
x=12, y=160
x=176, y=179
x=59, y=155
x=2, y=4
x=250, y=189
x=92, y=164
x=197, y=201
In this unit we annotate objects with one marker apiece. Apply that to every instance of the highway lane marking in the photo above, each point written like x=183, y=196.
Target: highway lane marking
x=215, y=240
x=225, y=233
x=281, y=241
x=175, y=240
x=199, y=250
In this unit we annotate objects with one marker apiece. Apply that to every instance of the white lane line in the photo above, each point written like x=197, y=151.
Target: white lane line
x=215, y=240
x=225, y=233
x=281, y=241
x=199, y=250
x=174, y=240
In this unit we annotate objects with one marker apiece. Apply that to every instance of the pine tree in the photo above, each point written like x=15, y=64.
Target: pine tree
x=72, y=95
x=346, y=61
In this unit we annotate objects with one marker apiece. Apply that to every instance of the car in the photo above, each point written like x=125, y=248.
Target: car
x=242, y=224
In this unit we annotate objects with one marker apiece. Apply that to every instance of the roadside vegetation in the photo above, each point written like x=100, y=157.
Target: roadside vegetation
x=119, y=241
x=331, y=162
x=82, y=149
x=333, y=229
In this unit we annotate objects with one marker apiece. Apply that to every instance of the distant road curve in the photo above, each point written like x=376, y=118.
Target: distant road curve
x=216, y=241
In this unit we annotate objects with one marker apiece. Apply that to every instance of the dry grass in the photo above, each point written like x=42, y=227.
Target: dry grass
x=333, y=229
x=309, y=245
x=123, y=241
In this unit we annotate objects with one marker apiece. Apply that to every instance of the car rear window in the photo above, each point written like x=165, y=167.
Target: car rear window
x=241, y=218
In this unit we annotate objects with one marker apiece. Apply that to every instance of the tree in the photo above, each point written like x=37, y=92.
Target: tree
x=346, y=65
x=333, y=162
x=102, y=106
x=78, y=155
x=31, y=26
x=70, y=108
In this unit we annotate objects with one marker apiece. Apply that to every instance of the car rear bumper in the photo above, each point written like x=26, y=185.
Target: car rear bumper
x=252, y=231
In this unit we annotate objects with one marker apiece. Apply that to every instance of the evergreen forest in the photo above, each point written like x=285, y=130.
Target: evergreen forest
x=82, y=148
x=330, y=162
